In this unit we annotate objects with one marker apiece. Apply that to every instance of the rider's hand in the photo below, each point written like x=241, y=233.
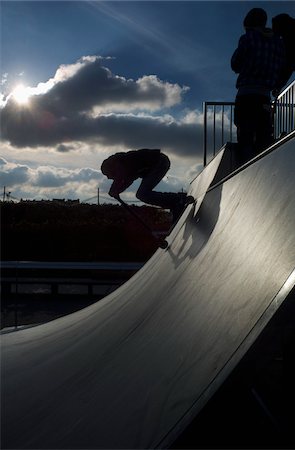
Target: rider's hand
x=114, y=193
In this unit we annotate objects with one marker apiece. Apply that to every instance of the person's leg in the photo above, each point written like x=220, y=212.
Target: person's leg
x=176, y=202
x=145, y=191
x=264, y=131
x=244, y=119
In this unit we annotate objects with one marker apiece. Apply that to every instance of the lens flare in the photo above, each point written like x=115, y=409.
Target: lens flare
x=21, y=94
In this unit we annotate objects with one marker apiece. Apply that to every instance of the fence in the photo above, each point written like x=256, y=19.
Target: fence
x=284, y=118
x=219, y=125
x=40, y=291
x=61, y=278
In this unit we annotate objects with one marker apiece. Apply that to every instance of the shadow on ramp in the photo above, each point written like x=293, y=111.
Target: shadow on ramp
x=199, y=225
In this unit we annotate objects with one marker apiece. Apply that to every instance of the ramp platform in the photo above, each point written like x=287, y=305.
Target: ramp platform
x=132, y=370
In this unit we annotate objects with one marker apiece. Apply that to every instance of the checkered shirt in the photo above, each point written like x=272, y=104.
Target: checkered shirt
x=259, y=59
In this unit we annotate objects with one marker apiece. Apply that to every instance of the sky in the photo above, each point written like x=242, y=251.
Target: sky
x=82, y=80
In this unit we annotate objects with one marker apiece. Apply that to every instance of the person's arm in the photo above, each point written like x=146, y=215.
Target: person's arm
x=119, y=185
x=239, y=55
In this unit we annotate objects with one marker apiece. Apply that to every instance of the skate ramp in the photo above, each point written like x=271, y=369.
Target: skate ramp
x=132, y=370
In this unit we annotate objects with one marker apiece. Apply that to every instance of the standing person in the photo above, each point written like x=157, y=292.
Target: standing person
x=151, y=165
x=283, y=25
x=259, y=61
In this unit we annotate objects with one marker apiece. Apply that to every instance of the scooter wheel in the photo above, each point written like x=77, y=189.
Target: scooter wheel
x=163, y=244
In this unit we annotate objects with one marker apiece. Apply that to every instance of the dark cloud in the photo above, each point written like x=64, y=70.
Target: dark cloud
x=135, y=132
x=62, y=148
x=62, y=116
x=131, y=131
x=95, y=85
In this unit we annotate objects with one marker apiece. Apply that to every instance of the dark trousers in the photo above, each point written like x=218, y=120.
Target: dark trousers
x=150, y=180
x=253, y=119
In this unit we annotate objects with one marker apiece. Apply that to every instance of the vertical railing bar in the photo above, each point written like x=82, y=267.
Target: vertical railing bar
x=214, y=129
x=231, y=124
x=273, y=118
x=286, y=110
x=289, y=111
x=205, y=133
x=285, y=105
x=283, y=115
x=222, y=125
x=293, y=107
x=281, y=118
x=277, y=117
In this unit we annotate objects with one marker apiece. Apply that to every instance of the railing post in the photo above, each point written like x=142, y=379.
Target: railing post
x=214, y=129
x=222, y=125
x=231, y=124
x=205, y=133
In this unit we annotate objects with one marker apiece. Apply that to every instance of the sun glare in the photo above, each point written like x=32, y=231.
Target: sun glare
x=21, y=94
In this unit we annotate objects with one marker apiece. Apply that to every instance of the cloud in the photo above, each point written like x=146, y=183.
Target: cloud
x=13, y=174
x=86, y=102
x=58, y=177
x=49, y=177
x=47, y=182
x=4, y=78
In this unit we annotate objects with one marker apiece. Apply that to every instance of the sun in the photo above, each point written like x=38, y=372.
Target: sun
x=21, y=94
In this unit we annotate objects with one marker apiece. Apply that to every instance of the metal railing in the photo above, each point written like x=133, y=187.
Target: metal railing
x=284, y=112
x=219, y=125
x=36, y=292
x=58, y=278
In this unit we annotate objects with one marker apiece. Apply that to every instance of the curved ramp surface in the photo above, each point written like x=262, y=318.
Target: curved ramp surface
x=131, y=370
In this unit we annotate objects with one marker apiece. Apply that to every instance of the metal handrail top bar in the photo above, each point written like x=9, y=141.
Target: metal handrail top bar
x=286, y=90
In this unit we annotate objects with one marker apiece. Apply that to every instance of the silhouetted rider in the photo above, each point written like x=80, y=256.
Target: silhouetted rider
x=151, y=166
